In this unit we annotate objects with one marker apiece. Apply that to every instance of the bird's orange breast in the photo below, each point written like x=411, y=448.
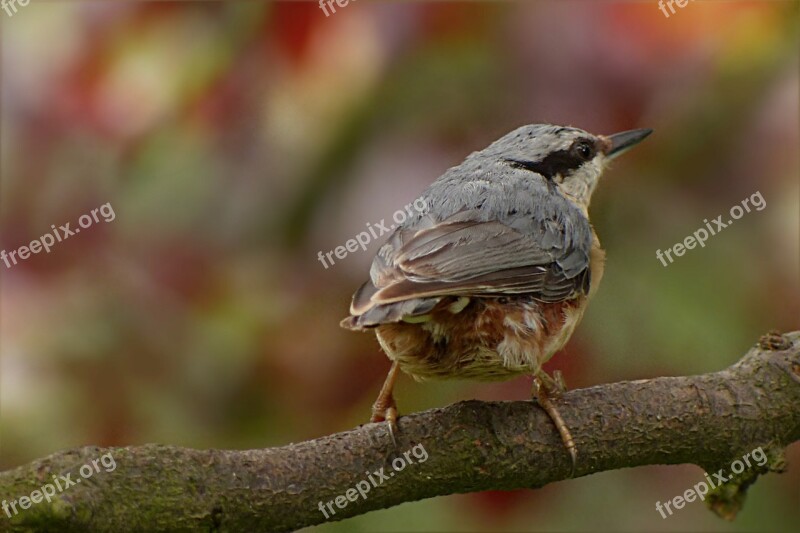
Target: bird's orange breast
x=489, y=339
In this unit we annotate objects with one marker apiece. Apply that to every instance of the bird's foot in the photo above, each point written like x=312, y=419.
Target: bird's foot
x=545, y=389
x=554, y=385
x=385, y=410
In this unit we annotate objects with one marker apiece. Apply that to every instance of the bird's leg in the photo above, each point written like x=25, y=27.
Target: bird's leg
x=384, y=408
x=554, y=385
x=544, y=389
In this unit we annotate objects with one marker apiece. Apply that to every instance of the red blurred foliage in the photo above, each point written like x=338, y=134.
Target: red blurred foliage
x=496, y=507
x=291, y=27
x=185, y=270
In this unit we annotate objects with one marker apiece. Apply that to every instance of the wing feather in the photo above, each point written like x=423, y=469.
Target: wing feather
x=464, y=255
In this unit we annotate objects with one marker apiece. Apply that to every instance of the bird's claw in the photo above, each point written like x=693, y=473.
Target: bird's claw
x=386, y=412
x=544, y=390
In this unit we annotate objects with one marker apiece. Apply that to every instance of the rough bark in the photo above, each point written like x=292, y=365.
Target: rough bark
x=709, y=420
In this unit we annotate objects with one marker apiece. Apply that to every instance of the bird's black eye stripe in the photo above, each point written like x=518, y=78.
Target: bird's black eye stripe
x=561, y=162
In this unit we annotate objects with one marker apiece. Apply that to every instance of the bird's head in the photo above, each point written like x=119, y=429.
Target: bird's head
x=569, y=158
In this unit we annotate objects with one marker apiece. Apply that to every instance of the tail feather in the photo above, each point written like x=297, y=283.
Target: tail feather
x=389, y=313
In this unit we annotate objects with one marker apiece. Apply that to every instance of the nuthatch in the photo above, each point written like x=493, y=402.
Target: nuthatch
x=491, y=278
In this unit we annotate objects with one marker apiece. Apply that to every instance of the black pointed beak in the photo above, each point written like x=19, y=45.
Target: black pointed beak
x=623, y=141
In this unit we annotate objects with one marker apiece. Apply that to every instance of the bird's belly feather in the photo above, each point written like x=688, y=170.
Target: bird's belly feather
x=490, y=339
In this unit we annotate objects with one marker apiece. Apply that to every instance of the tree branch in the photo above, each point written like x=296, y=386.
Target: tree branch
x=709, y=420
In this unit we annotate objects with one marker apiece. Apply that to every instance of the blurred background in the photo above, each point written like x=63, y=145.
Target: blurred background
x=237, y=140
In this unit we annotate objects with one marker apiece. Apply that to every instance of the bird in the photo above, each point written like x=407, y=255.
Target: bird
x=491, y=277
